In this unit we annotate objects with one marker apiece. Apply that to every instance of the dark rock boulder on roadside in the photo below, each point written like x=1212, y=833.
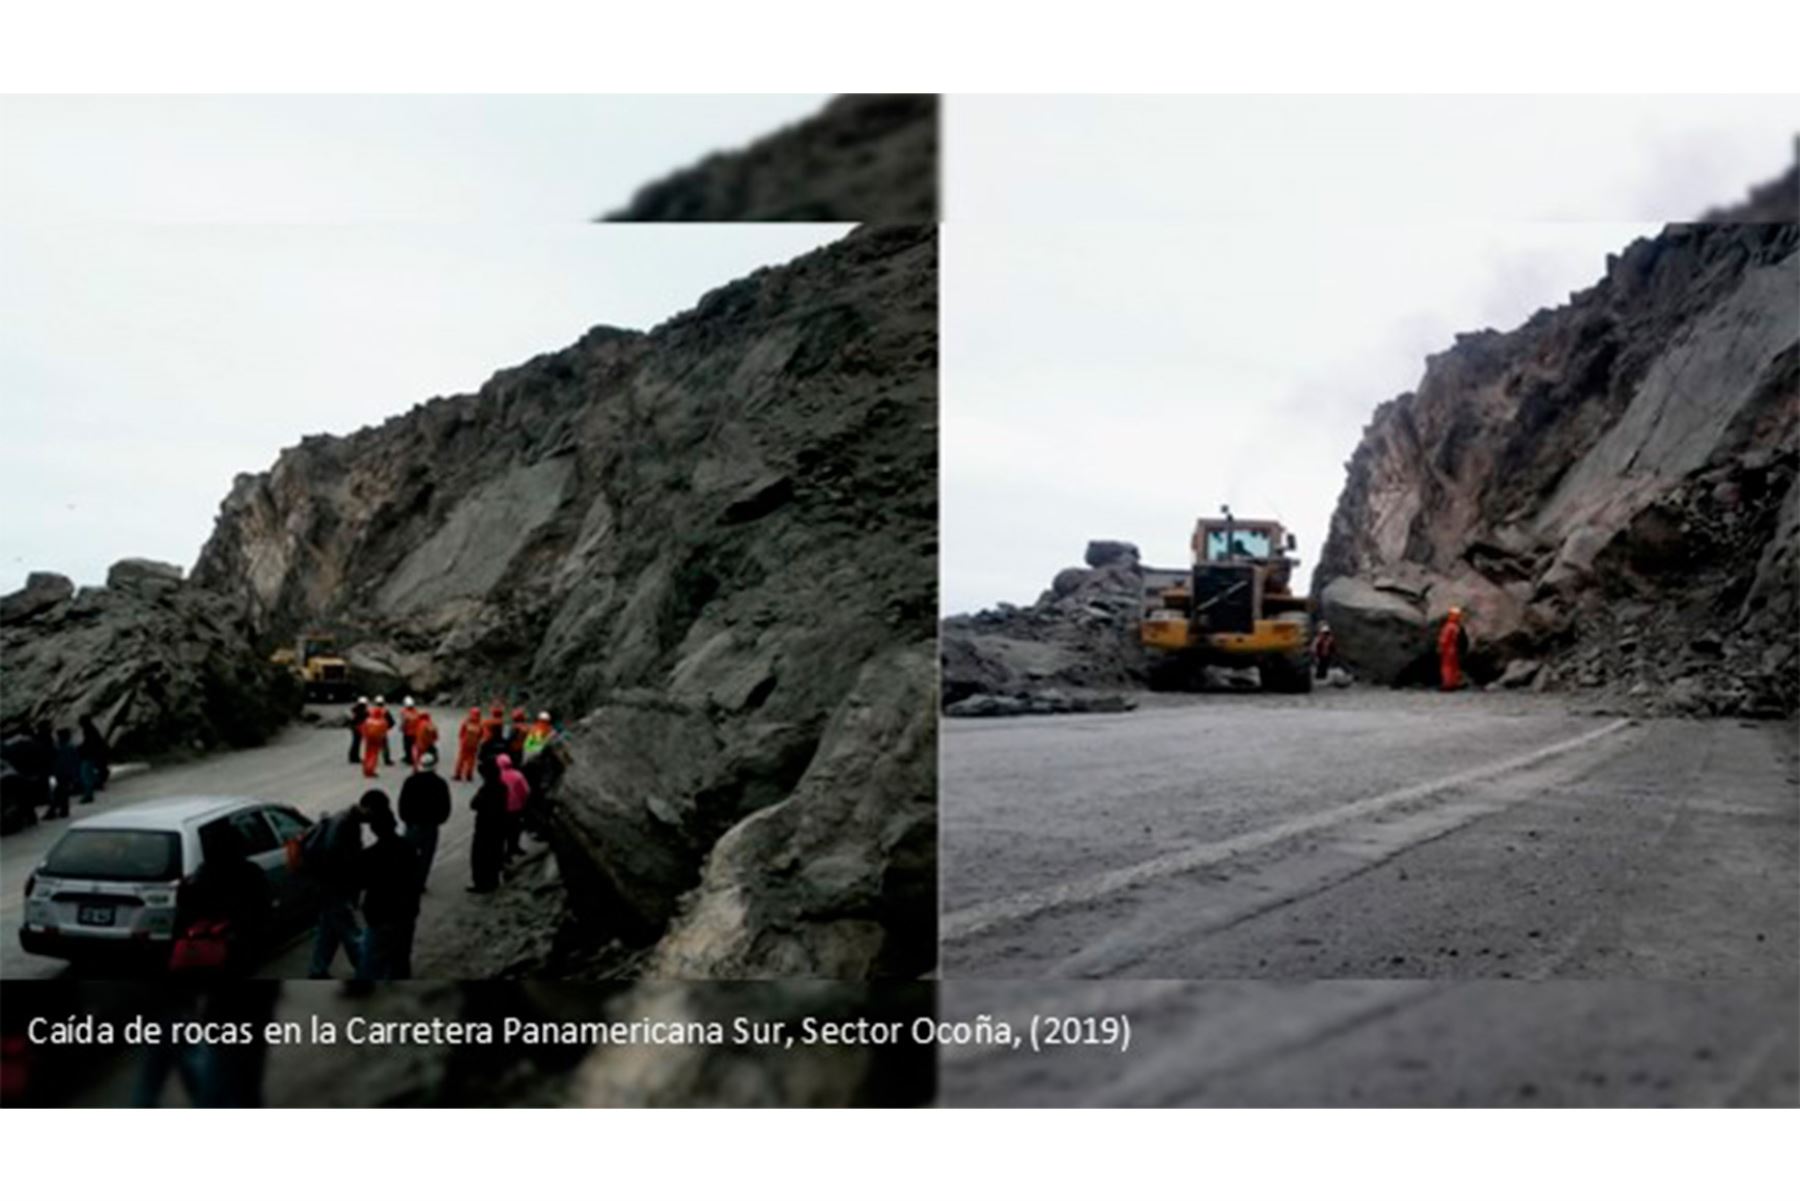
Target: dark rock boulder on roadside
x=1080, y=635
x=160, y=666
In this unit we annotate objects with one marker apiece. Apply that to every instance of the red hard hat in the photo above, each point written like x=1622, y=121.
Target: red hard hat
x=475, y=712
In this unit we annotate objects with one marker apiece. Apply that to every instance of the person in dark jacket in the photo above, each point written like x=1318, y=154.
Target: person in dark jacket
x=67, y=769
x=488, y=848
x=336, y=866
x=424, y=807
x=228, y=888
x=359, y=713
x=390, y=902
x=495, y=746
x=96, y=755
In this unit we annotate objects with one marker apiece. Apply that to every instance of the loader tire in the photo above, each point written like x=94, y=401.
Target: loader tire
x=1281, y=673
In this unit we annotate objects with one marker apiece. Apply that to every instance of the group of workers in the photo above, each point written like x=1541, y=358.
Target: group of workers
x=1452, y=646
x=490, y=748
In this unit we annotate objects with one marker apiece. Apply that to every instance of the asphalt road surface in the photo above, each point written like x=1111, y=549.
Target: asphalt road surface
x=459, y=936
x=1367, y=835
x=1488, y=1043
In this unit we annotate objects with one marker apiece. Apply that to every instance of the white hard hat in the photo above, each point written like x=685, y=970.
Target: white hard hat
x=362, y=700
x=409, y=700
x=381, y=700
x=544, y=716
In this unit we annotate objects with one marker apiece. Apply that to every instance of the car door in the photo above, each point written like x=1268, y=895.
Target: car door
x=262, y=848
x=296, y=896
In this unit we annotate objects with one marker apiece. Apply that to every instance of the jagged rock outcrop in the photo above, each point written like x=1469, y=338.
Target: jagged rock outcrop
x=158, y=664
x=862, y=158
x=1079, y=636
x=1609, y=490
x=696, y=545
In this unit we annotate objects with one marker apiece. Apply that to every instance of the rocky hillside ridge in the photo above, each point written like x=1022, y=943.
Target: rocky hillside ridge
x=711, y=548
x=1066, y=652
x=861, y=158
x=1612, y=490
x=160, y=665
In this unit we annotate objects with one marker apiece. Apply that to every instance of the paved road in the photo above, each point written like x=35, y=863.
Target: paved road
x=1370, y=835
x=459, y=936
x=1388, y=1043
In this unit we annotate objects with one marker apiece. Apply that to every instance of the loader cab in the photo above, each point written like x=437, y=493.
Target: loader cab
x=1262, y=544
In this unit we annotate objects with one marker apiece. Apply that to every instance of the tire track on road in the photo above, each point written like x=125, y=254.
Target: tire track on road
x=982, y=918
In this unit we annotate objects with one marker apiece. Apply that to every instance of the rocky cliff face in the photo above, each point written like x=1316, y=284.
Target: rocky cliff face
x=159, y=664
x=712, y=549
x=1609, y=490
x=863, y=158
x=1050, y=656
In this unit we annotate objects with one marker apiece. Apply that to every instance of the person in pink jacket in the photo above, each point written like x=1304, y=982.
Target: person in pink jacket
x=518, y=791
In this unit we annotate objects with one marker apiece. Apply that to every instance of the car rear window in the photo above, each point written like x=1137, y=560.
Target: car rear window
x=116, y=855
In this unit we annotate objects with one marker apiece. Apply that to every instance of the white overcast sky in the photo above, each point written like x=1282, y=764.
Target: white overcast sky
x=190, y=285
x=1151, y=306
x=1156, y=306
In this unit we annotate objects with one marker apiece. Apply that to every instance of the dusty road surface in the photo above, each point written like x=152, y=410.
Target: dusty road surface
x=1489, y=1043
x=459, y=936
x=1370, y=835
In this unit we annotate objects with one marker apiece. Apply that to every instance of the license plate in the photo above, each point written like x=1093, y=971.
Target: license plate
x=95, y=915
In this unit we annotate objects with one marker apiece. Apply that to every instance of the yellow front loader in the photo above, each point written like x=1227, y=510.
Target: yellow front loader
x=323, y=675
x=1234, y=607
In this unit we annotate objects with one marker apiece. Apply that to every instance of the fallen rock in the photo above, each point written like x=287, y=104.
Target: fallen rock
x=1519, y=673
x=159, y=666
x=838, y=879
x=1038, y=704
x=1105, y=554
x=1081, y=634
x=1381, y=636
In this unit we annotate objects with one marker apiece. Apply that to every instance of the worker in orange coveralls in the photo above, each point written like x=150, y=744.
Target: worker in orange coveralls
x=375, y=730
x=1451, y=641
x=425, y=736
x=468, y=741
x=496, y=721
x=516, y=734
x=409, y=729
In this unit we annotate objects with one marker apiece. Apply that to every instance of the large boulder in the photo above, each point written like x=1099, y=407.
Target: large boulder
x=1381, y=635
x=147, y=576
x=1080, y=635
x=834, y=880
x=1104, y=553
x=160, y=667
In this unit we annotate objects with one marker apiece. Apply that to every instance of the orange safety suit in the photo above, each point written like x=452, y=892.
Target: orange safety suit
x=424, y=738
x=468, y=740
x=1449, y=658
x=374, y=732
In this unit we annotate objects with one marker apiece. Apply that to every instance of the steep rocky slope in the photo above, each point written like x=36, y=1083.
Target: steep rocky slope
x=712, y=549
x=159, y=664
x=862, y=158
x=1610, y=490
x=1078, y=637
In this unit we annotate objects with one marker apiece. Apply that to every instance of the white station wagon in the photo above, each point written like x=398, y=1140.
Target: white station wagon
x=112, y=882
